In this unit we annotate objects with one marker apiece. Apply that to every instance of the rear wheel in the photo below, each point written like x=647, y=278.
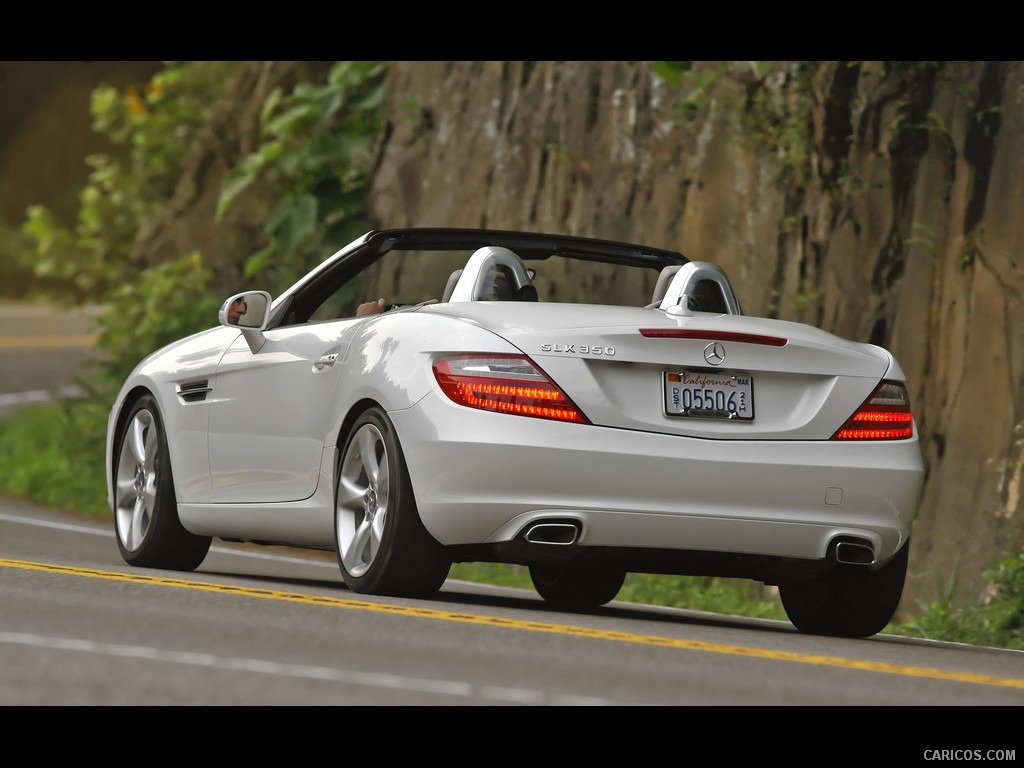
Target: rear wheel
x=577, y=585
x=149, y=533
x=382, y=545
x=852, y=601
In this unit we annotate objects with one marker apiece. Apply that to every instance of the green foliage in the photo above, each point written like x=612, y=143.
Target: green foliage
x=970, y=247
x=156, y=129
x=59, y=448
x=413, y=112
x=53, y=457
x=809, y=293
x=998, y=620
x=770, y=114
x=17, y=267
x=317, y=155
x=56, y=451
x=777, y=117
x=731, y=596
x=699, y=87
x=164, y=303
x=703, y=593
x=671, y=71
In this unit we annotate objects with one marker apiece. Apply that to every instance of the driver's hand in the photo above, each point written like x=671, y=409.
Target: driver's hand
x=370, y=308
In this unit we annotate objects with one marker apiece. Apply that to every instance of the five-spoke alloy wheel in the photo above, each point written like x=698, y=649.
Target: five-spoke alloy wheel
x=382, y=545
x=149, y=533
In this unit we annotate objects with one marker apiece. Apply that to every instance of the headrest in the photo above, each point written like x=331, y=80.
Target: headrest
x=449, y=288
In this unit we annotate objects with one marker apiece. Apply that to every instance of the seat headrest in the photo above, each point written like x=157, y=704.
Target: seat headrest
x=492, y=273
x=449, y=288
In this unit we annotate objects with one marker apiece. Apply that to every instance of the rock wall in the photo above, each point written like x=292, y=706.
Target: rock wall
x=881, y=201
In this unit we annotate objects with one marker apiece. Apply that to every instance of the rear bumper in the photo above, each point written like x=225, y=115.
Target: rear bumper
x=483, y=478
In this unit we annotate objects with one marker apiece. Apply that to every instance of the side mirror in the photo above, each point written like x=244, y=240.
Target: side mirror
x=247, y=311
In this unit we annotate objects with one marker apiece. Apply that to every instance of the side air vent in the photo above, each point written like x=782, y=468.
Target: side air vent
x=194, y=392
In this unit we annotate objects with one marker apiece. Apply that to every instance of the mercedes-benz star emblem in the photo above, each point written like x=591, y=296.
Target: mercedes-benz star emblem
x=714, y=353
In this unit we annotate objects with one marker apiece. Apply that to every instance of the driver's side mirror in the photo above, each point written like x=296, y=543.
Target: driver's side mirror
x=247, y=311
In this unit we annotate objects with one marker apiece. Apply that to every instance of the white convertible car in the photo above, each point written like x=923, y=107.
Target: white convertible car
x=584, y=408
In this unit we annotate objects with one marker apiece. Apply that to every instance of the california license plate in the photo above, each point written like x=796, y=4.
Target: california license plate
x=703, y=395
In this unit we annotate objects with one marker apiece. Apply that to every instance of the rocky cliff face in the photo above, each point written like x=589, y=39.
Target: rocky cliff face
x=881, y=201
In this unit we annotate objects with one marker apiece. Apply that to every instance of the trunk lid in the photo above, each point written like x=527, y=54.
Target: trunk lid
x=802, y=382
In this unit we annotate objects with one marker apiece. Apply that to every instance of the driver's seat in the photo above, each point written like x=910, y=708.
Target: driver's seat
x=492, y=273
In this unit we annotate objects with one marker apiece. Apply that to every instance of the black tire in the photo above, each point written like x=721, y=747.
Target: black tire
x=579, y=585
x=851, y=601
x=382, y=546
x=149, y=533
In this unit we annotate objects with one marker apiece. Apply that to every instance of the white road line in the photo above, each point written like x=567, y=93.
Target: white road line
x=103, y=532
x=39, y=396
x=93, y=530
x=374, y=680
x=309, y=672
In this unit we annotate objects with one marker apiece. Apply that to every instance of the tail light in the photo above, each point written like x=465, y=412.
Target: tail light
x=504, y=384
x=883, y=416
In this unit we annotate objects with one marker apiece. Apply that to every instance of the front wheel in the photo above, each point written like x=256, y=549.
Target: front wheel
x=578, y=585
x=851, y=601
x=149, y=533
x=382, y=545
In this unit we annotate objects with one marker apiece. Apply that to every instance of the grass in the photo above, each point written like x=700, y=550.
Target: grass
x=731, y=596
x=53, y=459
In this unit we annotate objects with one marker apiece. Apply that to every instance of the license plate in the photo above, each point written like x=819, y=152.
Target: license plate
x=703, y=395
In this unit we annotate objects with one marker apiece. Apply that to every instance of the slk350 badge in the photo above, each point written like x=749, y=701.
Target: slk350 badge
x=578, y=349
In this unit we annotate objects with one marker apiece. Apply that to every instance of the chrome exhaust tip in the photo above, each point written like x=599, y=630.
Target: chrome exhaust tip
x=562, y=534
x=854, y=552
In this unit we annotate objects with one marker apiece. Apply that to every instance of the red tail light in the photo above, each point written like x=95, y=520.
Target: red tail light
x=504, y=384
x=884, y=416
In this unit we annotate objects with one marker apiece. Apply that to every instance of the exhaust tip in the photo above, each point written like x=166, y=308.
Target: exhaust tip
x=853, y=552
x=552, y=533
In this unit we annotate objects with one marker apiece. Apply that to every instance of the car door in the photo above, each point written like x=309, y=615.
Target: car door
x=270, y=413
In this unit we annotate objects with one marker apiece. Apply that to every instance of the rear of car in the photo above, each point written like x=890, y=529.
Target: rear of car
x=709, y=444
x=584, y=408
x=663, y=450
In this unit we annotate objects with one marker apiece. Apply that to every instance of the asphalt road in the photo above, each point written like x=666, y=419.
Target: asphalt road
x=276, y=626
x=43, y=351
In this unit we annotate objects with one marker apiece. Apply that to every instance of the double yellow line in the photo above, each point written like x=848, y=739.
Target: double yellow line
x=48, y=341
x=863, y=665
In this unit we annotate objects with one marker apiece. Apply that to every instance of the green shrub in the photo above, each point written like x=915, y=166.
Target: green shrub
x=157, y=127
x=697, y=593
x=53, y=457
x=997, y=620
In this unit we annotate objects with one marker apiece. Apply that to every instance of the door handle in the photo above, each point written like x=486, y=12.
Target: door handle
x=326, y=361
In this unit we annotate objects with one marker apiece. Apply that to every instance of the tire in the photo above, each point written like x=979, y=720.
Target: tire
x=381, y=543
x=579, y=585
x=149, y=533
x=852, y=601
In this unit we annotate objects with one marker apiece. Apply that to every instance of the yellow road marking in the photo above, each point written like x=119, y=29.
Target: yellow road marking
x=48, y=341
x=932, y=673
